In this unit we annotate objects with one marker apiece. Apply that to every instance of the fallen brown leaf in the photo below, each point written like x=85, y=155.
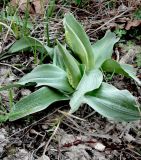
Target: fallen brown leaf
x=39, y=6
x=133, y=23
x=34, y=7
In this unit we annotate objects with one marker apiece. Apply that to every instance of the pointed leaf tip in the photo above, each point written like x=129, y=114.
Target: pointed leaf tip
x=103, y=48
x=78, y=41
x=35, y=102
x=114, y=104
x=71, y=64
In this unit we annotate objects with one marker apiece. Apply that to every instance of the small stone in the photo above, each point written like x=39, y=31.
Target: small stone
x=45, y=127
x=99, y=146
x=129, y=138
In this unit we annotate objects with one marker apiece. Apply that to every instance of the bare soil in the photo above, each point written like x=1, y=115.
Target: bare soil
x=86, y=135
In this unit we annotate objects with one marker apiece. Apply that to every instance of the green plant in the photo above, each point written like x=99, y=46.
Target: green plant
x=20, y=26
x=110, y=3
x=120, y=32
x=137, y=13
x=78, y=2
x=76, y=75
x=138, y=59
x=48, y=15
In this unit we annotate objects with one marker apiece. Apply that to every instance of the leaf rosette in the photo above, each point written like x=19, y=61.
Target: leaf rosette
x=76, y=74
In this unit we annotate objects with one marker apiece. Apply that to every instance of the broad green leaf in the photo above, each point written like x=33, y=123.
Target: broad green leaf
x=58, y=59
x=78, y=41
x=30, y=42
x=103, y=48
x=124, y=69
x=72, y=66
x=90, y=81
x=112, y=103
x=48, y=74
x=35, y=102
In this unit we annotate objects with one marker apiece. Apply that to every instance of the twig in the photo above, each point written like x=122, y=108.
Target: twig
x=6, y=64
x=106, y=136
x=34, y=123
x=45, y=149
x=112, y=20
x=68, y=114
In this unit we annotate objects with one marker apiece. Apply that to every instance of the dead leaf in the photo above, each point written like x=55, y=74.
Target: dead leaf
x=130, y=52
x=129, y=138
x=133, y=23
x=122, y=7
x=78, y=152
x=33, y=7
x=22, y=5
x=39, y=6
x=21, y=154
x=44, y=157
x=3, y=139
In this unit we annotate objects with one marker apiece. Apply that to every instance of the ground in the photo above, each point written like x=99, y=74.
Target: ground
x=85, y=135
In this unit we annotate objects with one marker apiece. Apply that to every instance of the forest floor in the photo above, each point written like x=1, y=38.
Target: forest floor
x=86, y=135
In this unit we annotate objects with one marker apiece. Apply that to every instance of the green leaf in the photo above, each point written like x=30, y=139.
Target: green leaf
x=112, y=103
x=18, y=21
x=58, y=59
x=78, y=41
x=72, y=66
x=35, y=102
x=78, y=1
x=89, y=82
x=130, y=70
x=48, y=74
x=124, y=69
x=30, y=42
x=4, y=118
x=51, y=8
x=103, y=48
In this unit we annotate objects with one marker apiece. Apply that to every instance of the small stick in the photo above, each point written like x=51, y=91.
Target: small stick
x=6, y=64
x=112, y=19
x=45, y=149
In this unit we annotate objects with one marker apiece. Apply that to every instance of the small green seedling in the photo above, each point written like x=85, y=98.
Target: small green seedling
x=78, y=2
x=76, y=75
x=120, y=32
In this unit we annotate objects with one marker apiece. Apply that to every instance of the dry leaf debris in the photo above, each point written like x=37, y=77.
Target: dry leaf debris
x=33, y=7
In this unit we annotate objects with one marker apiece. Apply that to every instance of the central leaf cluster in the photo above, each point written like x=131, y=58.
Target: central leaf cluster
x=77, y=75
